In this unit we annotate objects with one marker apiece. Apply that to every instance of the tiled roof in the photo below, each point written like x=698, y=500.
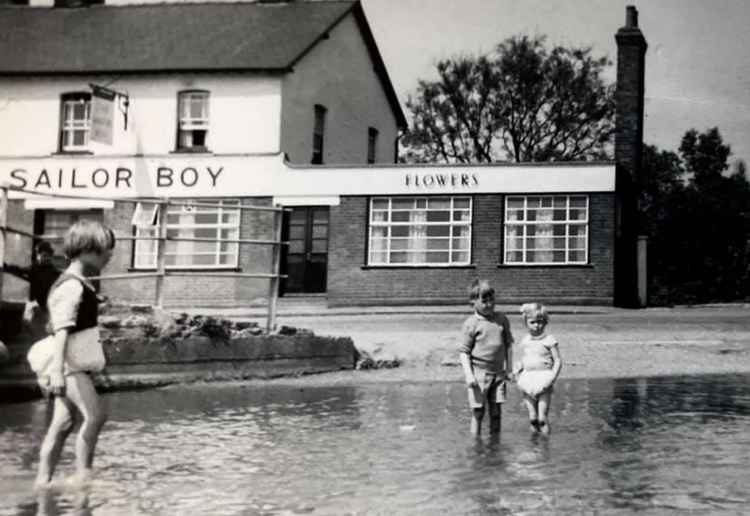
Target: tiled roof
x=163, y=37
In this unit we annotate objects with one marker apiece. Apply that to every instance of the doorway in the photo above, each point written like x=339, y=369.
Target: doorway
x=305, y=259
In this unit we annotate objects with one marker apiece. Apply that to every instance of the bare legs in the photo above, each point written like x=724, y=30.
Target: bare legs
x=58, y=431
x=495, y=419
x=538, y=409
x=80, y=400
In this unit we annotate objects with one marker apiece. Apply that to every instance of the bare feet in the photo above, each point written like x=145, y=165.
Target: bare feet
x=80, y=479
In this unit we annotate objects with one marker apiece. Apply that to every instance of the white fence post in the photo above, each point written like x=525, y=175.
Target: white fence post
x=3, y=223
x=160, y=253
x=273, y=285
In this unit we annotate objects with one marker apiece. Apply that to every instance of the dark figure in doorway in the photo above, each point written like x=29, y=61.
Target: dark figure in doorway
x=41, y=276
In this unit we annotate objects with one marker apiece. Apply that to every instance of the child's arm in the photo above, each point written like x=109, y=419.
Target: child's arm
x=63, y=305
x=465, y=348
x=465, y=359
x=556, y=361
x=56, y=375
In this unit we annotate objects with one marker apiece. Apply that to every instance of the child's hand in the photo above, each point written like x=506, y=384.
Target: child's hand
x=471, y=381
x=57, y=383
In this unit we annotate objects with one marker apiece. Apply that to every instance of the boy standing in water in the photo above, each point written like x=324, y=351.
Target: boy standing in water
x=484, y=351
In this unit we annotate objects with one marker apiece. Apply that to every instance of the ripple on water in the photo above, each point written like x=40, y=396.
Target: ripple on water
x=647, y=445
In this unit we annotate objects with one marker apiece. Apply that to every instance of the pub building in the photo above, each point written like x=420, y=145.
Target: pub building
x=289, y=104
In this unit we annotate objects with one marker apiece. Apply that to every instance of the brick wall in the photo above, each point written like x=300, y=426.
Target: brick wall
x=201, y=290
x=351, y=282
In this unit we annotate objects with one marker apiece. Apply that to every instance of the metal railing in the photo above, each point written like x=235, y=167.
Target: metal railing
x=274, y=276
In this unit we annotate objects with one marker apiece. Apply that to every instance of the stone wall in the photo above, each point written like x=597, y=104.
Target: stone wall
x=146, y=348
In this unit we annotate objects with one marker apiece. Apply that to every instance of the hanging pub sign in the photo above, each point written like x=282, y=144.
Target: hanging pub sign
x=102, y=114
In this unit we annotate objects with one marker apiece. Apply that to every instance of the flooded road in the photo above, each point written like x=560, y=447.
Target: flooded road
x=626, y=445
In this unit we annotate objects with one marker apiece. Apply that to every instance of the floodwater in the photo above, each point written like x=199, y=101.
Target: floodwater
x=654, y=446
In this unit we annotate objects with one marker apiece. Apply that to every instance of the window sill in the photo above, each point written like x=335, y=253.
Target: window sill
x=188, y=269
x=413, y=267
x=192, y=150
x=545, y=265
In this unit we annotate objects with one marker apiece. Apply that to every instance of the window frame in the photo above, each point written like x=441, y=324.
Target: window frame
x=67, y=126
x=152, y=229
x=193, y=124
x=568, y=222
x=468, y=223
x=319, y=134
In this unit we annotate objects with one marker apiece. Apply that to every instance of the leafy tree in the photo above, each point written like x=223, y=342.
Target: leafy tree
x=698, y=216
x=521, y=103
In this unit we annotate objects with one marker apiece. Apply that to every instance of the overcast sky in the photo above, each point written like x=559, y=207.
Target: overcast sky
x=697, y=63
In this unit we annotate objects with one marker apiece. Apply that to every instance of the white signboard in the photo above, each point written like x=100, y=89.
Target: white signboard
x=269, y=175
x=102, y=115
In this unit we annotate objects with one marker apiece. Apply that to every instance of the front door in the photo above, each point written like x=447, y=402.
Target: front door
x=305, y=260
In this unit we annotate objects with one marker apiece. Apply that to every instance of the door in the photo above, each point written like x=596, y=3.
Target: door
x=305, y=260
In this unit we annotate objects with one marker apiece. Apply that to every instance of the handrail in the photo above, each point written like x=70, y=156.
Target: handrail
x=162, y=272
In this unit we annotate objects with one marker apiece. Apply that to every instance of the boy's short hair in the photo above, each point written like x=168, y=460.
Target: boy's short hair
x=43, y=247
x=479, y=288
x=534, y=310
x=87, y=236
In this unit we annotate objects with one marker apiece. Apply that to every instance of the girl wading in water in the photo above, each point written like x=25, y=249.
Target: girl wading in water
x=73, y=311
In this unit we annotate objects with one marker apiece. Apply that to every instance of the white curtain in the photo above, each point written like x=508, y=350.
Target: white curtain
x=378, y=242
x=544, y=240
x=417, y=237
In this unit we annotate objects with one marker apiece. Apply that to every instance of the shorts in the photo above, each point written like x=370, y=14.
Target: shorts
x=490, y=388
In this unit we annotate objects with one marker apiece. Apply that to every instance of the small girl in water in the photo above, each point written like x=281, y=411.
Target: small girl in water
x=538, y=367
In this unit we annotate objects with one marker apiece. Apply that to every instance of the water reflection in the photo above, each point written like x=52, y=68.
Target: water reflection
x=648, y=445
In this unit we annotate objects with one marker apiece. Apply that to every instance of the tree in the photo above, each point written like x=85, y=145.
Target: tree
x=521, y=103
x=698, y=217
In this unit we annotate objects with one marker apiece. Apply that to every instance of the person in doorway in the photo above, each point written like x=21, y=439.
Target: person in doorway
x=484, y=352
x=41, y=275
x=73, y=308
x=538, y=367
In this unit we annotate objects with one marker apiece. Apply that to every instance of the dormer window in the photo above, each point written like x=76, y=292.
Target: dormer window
x=193, y=124
x=75, y=122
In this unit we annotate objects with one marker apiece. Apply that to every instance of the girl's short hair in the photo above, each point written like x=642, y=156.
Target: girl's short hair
x=479, y=288
x=534, y=310
x=87, y=236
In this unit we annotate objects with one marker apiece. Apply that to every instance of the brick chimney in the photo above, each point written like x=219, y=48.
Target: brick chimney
x=631, y=53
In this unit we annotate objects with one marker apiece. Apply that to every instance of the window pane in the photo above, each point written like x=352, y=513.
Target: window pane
x=577, y=256
x=402, y=204
x=438, y=244
x=380, y=204
x=461, y=243
x=438, y=216
x=319, y=245
x=438, y=231
x=439, y=204
x=461, y=257
x=378, y=257
x=437, y=257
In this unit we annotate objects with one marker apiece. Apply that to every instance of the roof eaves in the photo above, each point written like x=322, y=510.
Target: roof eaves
x=323, y=35
x=380, y=67
x=145, y=71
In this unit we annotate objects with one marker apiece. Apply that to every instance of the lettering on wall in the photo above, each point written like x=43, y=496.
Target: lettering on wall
x=116, y=177
x=436, y=181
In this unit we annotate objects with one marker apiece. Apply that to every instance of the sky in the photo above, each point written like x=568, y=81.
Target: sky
x=697, y=63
